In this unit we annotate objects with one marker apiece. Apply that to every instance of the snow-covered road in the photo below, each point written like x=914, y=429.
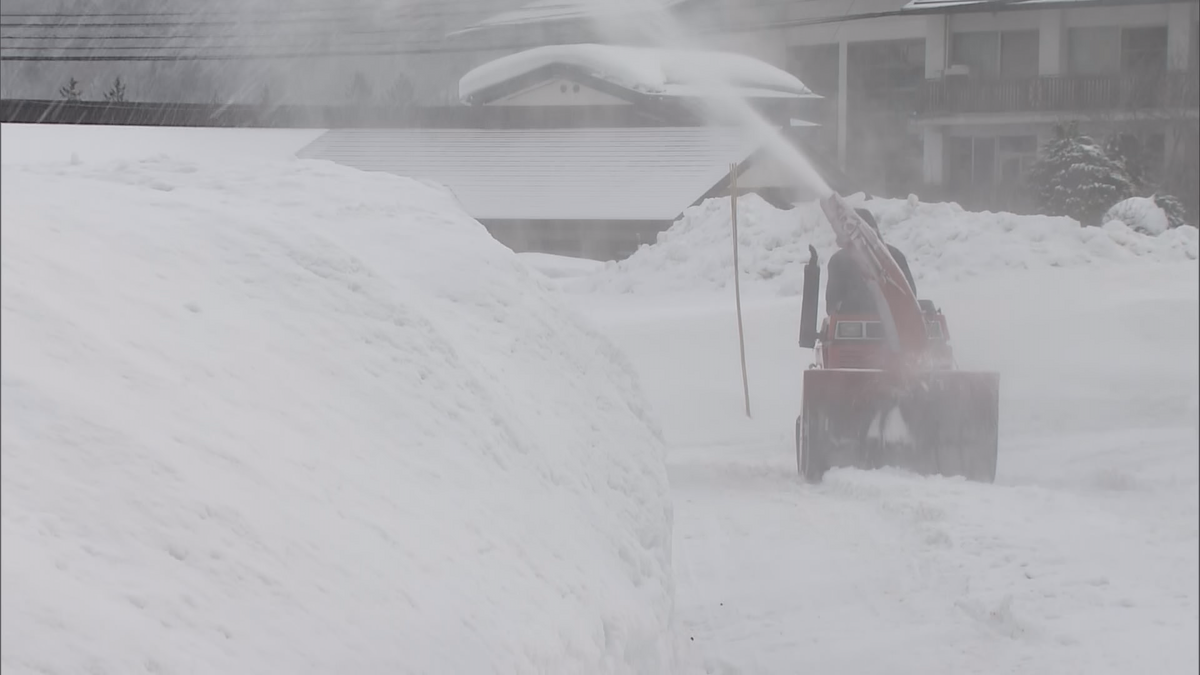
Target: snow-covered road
x=1081, y=559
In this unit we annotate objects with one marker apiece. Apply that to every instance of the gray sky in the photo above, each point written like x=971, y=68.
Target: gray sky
x=317, y=27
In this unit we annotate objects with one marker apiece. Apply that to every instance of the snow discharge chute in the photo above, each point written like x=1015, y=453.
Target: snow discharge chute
x=883, y=389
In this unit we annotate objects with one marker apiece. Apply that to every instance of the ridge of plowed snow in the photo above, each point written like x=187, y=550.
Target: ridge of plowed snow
x=942, y=241
x=293, y=418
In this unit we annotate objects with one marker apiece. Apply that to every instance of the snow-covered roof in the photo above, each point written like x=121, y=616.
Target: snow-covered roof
x=551, y=174
x=659, y=72
x=543, y=11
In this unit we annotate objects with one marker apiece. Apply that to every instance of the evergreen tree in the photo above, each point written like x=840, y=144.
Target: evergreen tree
x=1176, y=213
x=1074, y=177
x=70, y=90
x=116, y=93
x=1127, y=150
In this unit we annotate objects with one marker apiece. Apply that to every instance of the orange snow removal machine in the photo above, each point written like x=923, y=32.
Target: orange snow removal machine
x=883, y=389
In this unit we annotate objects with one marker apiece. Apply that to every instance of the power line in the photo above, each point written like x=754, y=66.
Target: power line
x=427, y=46
x=252, y=56
x=235, y=18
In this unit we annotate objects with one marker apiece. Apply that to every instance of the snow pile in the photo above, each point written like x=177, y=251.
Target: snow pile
x=665, y=72
x=560, y=266
x=941, y=240
x=293, y=418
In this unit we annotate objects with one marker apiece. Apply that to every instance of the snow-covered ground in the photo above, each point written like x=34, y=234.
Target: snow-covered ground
x=213, y=463
x=286, y=417
x=1082, y=558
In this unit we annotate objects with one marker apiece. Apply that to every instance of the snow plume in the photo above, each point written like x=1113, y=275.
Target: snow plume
x=941, y=241
x=293, y=418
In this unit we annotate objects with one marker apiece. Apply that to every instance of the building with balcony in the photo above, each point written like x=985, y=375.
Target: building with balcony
x=951, y=98
x=996, y=84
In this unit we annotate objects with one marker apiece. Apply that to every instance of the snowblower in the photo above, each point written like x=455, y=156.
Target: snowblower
x=883, y=389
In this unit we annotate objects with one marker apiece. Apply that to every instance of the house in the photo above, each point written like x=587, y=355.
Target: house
x=668, y=83
x=586, y=192
x=598, y=187
x=953, y=97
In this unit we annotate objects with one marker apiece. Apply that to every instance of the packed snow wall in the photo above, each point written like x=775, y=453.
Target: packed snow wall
x=286, y=417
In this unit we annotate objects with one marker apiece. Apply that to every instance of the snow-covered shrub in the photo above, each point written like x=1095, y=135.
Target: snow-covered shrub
x=1148, y=215
x=1074, y=177
x=1139, y=214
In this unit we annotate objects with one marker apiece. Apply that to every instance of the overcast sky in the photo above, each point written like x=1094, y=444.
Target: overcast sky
x=292, y=26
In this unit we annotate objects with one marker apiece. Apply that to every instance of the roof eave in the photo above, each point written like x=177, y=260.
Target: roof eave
x=997, y=7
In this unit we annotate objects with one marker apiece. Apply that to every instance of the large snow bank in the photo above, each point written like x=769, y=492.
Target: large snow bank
x=941, y=241
x=665, y=72
x=293, y=418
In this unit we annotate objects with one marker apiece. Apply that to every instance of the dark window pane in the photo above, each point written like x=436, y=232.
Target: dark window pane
x=1019, y=53
x=978, y=51
x=957, y=170
x=983, y=164
x=1017, y=144
x=1144, y=50
x=1094, y=51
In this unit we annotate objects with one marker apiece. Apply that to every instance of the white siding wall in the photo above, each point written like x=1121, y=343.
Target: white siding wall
x=560, y=93
x=937, y=50
x=1052, y=42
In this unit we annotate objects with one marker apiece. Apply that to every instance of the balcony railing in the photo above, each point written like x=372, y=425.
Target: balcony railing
x=1065, y=93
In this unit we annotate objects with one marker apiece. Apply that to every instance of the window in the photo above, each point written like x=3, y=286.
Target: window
x=1015, y=154
x=983, y=169
x=957, y=169
x=983, y=163
x=1018, y=144
x=1093, y=51
x=978, y=51
x=1019, y=53
x=997, y=54
x=885, y=64
x=1110, y=50
x=1144, y=50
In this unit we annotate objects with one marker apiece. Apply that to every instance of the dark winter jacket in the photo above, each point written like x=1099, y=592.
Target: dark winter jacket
x=846, y=291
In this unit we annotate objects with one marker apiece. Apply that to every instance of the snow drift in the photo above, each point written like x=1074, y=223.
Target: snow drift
x=293, y=418
x=941, y=240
